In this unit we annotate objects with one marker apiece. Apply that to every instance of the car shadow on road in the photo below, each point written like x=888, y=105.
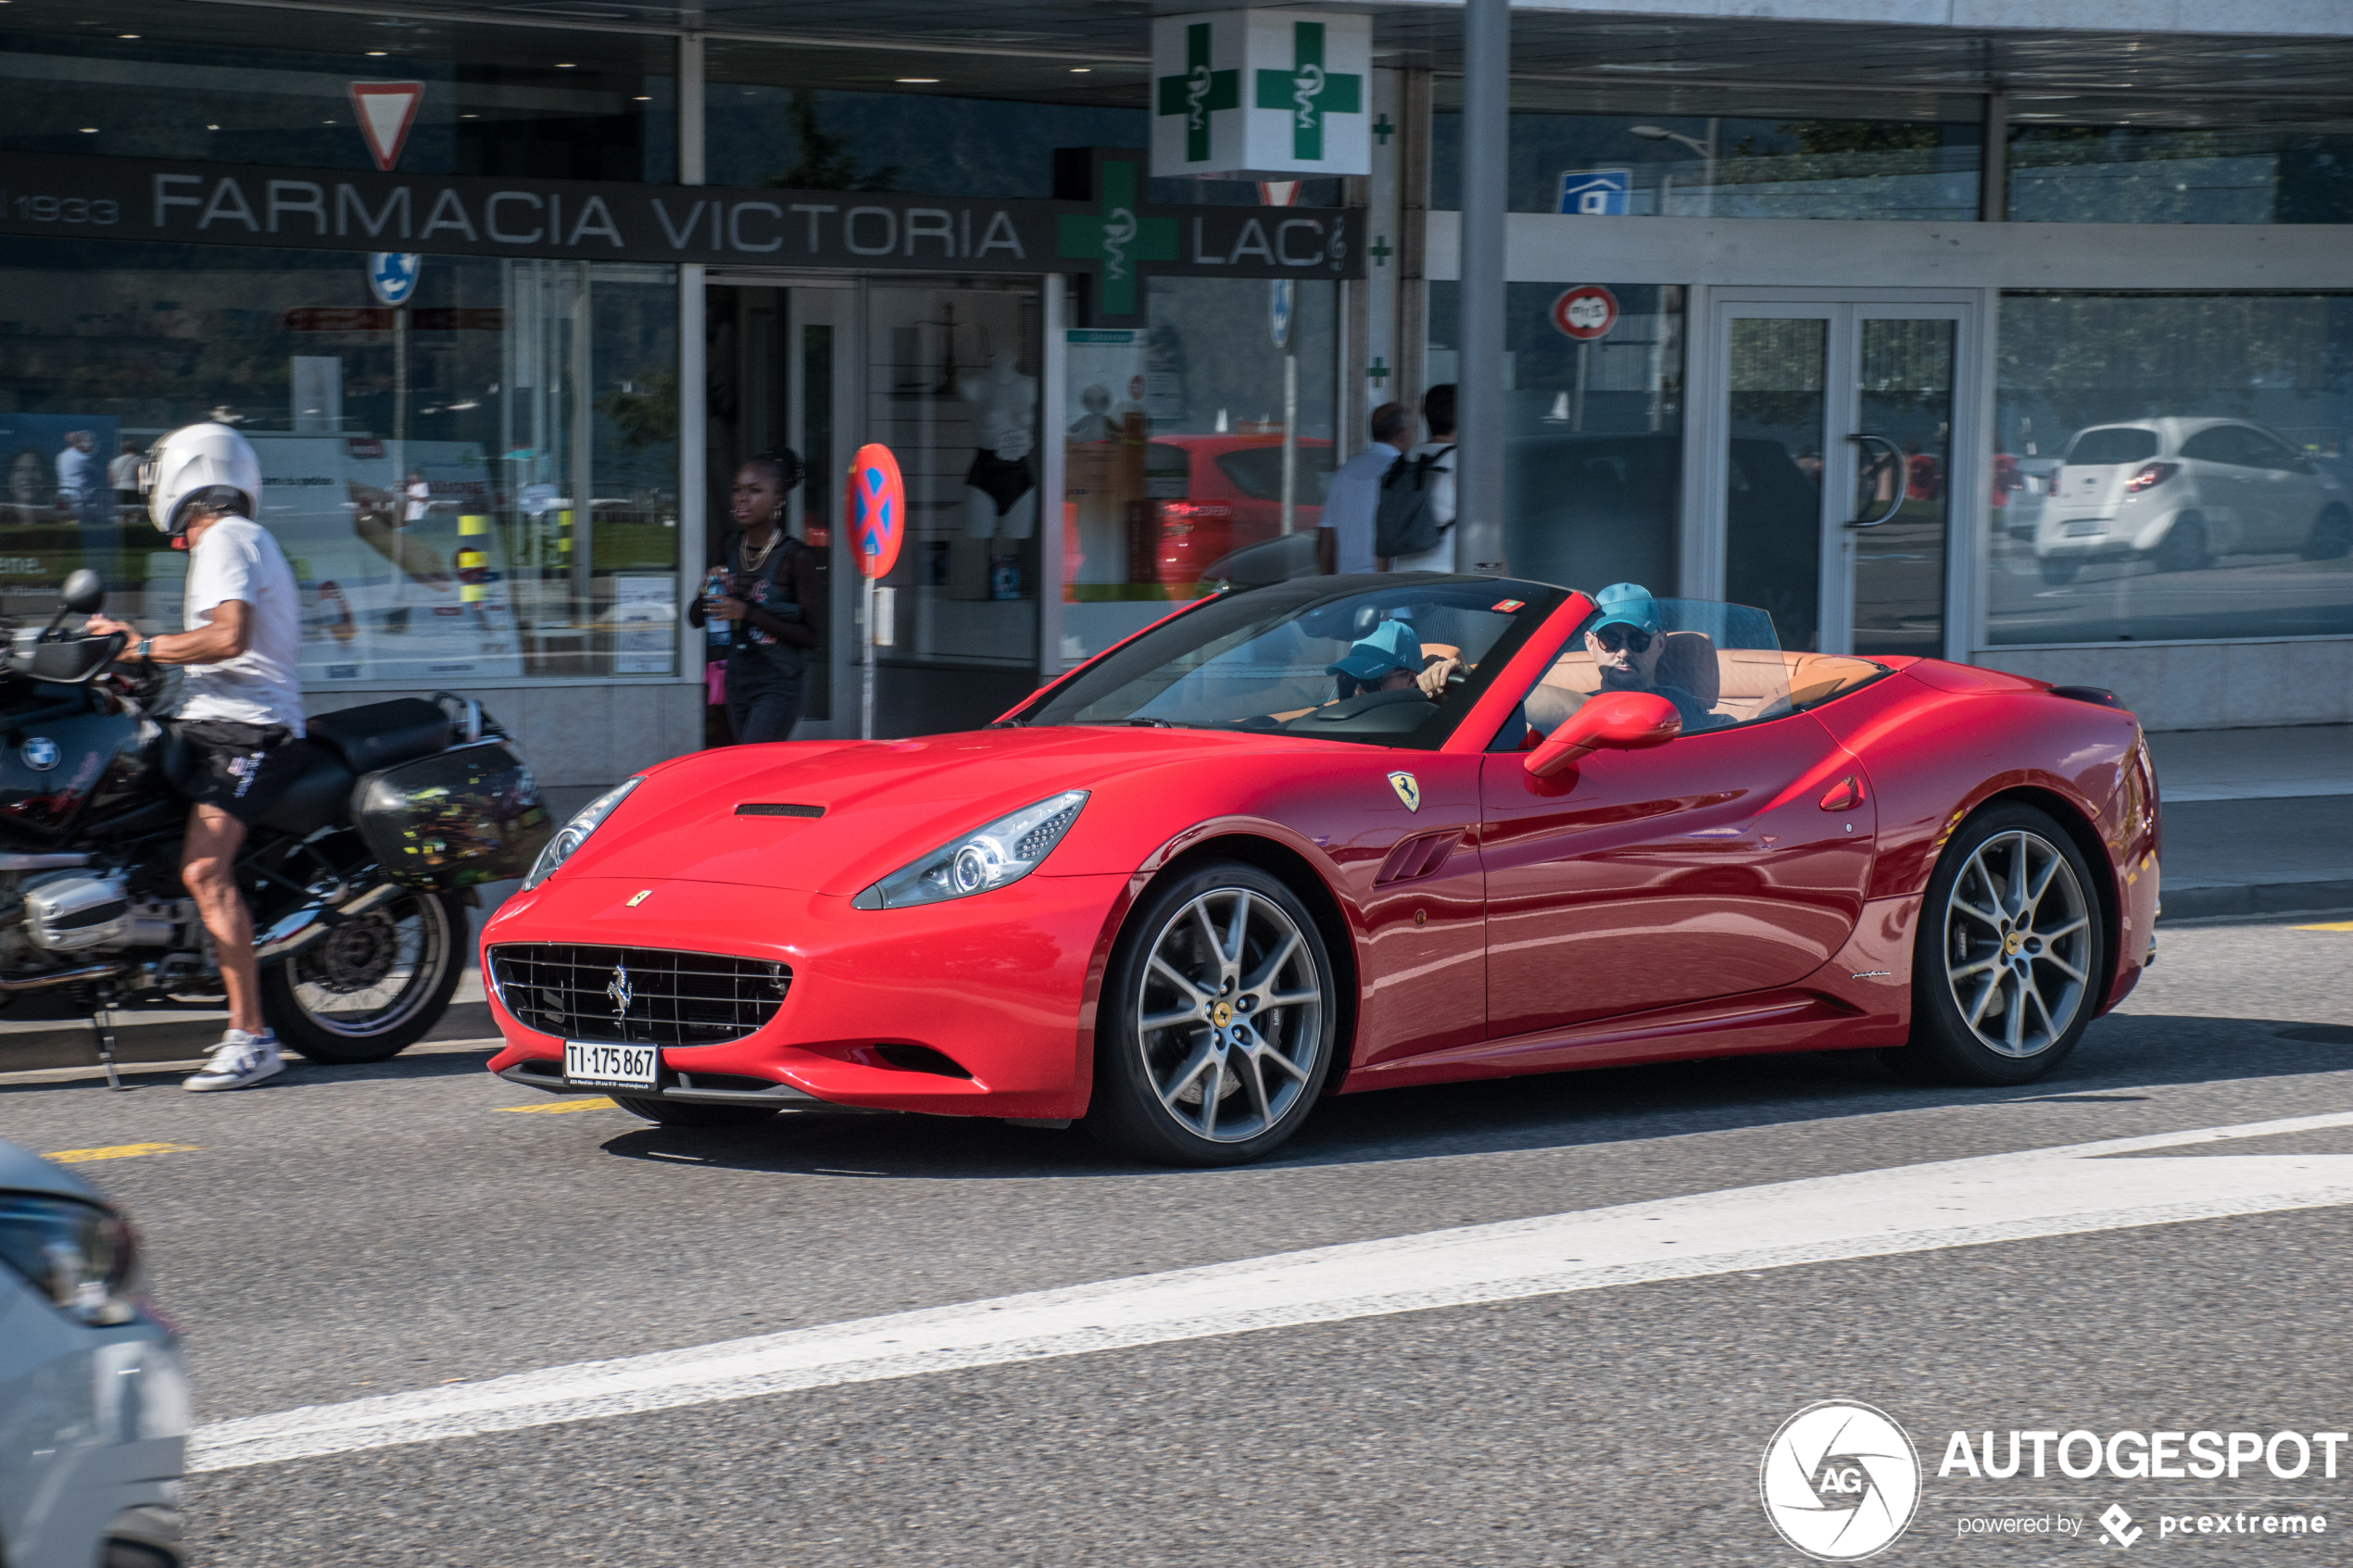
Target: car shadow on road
x=2119, y=1057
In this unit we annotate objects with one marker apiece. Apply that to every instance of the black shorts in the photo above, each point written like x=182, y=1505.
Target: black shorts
x=243, y=769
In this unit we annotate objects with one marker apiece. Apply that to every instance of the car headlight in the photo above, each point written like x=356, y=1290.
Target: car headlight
x=75, y=1253
x=1006, y=850
x=574, y=834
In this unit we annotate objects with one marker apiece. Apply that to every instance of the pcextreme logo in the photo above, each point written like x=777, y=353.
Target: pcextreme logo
x=1840, y=1481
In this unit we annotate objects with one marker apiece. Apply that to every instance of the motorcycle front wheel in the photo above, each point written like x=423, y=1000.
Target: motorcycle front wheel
x=373, y=986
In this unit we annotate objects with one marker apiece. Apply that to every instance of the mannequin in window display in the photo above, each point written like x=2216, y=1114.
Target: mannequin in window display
x=1001, y=487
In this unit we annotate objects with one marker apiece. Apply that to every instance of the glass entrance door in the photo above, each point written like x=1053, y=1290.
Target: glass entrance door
x=1833, y=482
x=946, y=373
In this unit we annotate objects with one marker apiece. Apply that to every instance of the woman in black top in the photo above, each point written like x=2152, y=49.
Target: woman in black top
x=775, y=599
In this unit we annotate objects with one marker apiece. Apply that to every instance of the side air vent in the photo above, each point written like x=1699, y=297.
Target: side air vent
x=2099, y=694
x=922, y=1058
x=778, y=808
x=1418, y=857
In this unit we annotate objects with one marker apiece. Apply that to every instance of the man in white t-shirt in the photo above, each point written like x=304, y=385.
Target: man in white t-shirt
x=241, y=707
x=1438, y=413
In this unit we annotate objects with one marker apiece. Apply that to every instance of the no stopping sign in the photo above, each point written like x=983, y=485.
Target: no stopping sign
x=1586, y=312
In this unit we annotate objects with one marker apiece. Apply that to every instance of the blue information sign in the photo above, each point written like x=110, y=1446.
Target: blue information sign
x=1597, y=193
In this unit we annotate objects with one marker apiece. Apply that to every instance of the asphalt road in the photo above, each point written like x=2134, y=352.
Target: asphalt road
x=351, y=1233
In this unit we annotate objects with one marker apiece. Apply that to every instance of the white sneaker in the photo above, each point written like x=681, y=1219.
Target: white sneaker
x=239, y=1061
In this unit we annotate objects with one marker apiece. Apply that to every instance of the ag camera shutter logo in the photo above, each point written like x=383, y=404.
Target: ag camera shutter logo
x=1840, y=1481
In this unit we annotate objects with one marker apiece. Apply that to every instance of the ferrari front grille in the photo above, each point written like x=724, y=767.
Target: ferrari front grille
x=636, y=995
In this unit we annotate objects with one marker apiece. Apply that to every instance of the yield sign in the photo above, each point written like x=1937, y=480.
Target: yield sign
x=387, y=110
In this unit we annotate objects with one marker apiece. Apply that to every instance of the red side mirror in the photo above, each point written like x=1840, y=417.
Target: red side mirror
x=1620, y=721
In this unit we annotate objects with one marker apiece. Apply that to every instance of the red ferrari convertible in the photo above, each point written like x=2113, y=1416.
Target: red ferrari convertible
x=1349, y=834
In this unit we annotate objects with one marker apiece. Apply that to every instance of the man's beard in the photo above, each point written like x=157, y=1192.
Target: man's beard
x=1626, y=680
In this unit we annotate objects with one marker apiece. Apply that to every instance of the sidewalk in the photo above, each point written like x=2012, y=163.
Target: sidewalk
x=2257, y=822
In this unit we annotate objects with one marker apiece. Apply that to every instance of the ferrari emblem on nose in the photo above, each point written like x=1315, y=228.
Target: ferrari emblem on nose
x=639, y=899
x=621, y=991
x=1408, y=788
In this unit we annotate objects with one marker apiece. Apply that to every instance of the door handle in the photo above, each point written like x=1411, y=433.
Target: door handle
x=1895, y=455
x=1844, y=795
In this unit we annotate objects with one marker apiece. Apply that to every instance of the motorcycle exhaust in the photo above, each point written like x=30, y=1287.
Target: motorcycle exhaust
x=290, y=934
x=64, y=977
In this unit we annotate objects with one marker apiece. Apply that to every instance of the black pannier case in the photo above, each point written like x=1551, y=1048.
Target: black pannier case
x=468, y=815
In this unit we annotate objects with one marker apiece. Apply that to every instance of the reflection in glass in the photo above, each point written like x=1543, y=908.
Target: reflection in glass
x=1177, y=436
x=1593, y=431
x=482, y=483
x=1773, y=471
x=2172, y=467
x=1674, y=158
x=2232, y=172
x=1906, y=399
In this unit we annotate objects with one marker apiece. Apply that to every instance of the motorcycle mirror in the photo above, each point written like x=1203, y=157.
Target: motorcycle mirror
x=85, y=592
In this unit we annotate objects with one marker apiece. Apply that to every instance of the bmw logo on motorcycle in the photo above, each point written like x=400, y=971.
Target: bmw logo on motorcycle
x=40, y=754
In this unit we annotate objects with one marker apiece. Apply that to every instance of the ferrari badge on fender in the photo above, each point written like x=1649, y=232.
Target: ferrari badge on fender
x=1408, y=789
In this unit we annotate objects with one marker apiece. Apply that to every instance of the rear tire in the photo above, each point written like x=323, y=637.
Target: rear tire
x=2332, y=535
x=683, y=1113
x=2010, y=958
x=373, y=986
x=2184, y=548
x=1217, y=1023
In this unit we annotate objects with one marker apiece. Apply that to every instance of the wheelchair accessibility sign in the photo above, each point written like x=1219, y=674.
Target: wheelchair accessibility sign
x=1597, y=193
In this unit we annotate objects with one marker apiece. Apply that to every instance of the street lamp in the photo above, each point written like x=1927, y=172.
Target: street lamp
x=1706, y=150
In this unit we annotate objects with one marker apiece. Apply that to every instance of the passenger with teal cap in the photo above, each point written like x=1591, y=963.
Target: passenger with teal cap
x=1389, y=659
x=1627, y=640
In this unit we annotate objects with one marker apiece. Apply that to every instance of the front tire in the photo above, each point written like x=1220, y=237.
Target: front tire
x=1218, y=1022
x=684, y=1113
x=2010, y=957
x=374, y=984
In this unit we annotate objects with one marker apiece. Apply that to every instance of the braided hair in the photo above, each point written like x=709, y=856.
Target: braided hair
x=782, y=466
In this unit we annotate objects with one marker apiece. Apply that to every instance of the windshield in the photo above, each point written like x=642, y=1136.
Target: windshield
x=1390, y=661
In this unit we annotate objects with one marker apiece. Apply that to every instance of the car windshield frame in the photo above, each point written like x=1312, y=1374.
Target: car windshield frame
x=1237, y=617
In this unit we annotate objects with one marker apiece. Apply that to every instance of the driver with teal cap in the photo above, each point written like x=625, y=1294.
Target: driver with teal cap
x=1627, y=641
x=1389, y=659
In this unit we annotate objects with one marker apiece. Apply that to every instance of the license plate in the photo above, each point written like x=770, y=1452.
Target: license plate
x=2088, y=526
x=612, y=1067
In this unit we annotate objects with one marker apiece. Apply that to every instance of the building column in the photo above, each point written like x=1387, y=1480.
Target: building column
x=1411, y=331
x=694, y=487
x=1479, y=398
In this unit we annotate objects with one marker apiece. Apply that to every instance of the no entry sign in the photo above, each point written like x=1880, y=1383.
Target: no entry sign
x=1586, y=312
x=878, y=507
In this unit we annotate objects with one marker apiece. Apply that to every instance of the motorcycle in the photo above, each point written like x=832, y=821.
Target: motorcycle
x=358, y=879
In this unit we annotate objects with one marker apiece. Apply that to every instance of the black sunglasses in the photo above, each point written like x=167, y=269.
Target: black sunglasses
x=1616, y=637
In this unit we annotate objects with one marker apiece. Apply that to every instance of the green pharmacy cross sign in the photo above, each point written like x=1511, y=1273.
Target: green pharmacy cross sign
x=1199, y=92
x=1117, y=236
x=1306, y=90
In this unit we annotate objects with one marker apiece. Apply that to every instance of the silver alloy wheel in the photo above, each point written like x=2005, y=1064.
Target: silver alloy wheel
x=1229, y=1013
x=2018, y=943
x=370, y=974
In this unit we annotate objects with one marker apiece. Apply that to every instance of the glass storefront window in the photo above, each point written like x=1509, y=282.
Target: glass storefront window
x=1593, y=431
x=1187, y=439
x=2172, y=467
x=480, y=484
x=272, y=85
x=1700, y=154
x=2083, y=162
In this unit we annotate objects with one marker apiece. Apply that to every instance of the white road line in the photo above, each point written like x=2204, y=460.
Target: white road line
x=2064, y=1191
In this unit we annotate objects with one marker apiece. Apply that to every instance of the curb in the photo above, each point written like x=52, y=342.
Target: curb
x=2258, y=898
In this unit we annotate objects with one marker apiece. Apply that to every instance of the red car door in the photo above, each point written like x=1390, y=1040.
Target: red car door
x=1725, y=861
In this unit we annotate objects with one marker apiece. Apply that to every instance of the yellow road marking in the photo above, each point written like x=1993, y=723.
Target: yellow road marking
x=2332, y=925
x=118, y=1151
x=558, y=1107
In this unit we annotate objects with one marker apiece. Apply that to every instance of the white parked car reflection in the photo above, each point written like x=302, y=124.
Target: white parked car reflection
x=2179, y=492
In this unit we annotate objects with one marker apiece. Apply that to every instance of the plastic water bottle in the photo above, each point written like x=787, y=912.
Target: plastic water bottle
x=716, y=633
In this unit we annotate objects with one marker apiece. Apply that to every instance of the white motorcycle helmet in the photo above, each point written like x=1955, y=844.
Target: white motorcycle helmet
x=193, y=460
